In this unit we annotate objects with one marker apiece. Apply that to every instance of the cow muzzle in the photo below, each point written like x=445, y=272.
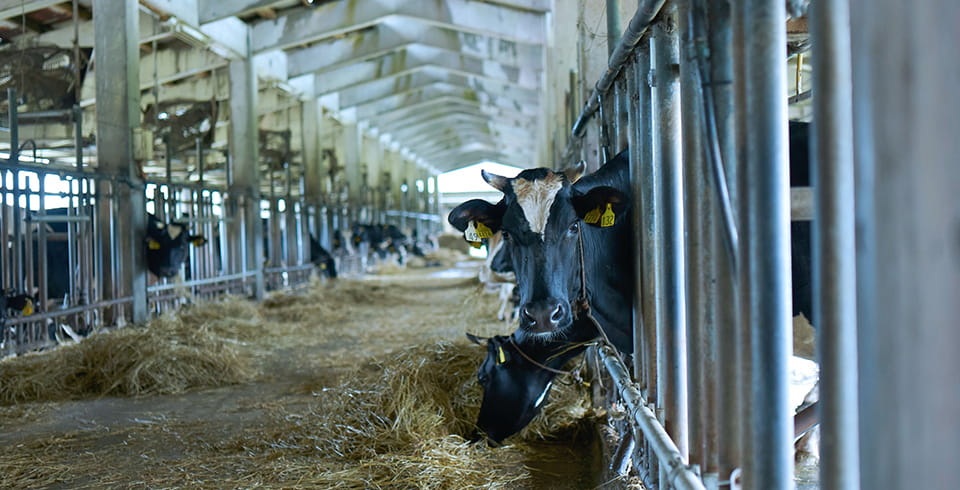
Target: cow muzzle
x=544, y=315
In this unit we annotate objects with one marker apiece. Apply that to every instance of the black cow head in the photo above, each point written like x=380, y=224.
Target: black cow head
x=322, y=259
x=541, y=215
x=167, y=246
x=17, y=303
x=514, y=388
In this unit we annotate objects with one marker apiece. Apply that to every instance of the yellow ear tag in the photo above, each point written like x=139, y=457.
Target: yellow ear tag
x=153, y=244
x=501, y=356
x=323, y=267
x=27, y=308
x=608, y=217
x=483, y=231
x=593, y=216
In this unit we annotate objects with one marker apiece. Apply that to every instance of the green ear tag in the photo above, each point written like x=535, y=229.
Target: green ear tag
x=608, y=217
x=483, y=231
x=593, y=216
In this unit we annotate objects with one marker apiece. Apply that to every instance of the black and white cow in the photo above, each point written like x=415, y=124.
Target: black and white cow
x=516, y=378
x=542, y=220
x=167, y=245
x=18, y=304
x=322, y=259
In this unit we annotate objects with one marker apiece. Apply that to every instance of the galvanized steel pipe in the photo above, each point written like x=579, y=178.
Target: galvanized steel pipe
x=647, y=10
x=680, y=475
x=766, y=221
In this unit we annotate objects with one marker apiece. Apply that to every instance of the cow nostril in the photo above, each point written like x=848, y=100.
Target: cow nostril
x=557, y=314
x=525, y=314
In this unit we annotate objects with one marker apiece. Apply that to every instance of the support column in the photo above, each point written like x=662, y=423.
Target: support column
x=349, y=145
x=765, y=254
x=116, y=43
x=671, y=331
x=834, y=245
x=312, y=188
x=726, y=311
x=699, y=256
x=908, y=242
x=245, y=165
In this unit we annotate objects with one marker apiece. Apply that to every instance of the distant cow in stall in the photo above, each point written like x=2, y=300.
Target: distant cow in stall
x=167, y=246
x=16, y=303
x=322, y=259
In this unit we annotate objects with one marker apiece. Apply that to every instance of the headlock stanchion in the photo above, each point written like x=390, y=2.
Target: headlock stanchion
x=711, y=313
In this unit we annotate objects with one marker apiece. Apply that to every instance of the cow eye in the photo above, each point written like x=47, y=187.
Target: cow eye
x=482, y=378
x=505, y=235
x=575, y=228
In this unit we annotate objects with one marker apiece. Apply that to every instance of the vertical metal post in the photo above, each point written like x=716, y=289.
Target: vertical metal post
x=19, y=271
x=908, y=241
x=834, y=248
x=117, y=41
x=614, y=26
x=671, y=331
x=725, y=307
x=651, y=268
x=766, y=223
x=699, y=257
x=244, y=158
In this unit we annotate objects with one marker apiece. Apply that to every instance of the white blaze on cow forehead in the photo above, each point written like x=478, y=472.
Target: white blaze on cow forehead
x=535, y=198
x=174, y=231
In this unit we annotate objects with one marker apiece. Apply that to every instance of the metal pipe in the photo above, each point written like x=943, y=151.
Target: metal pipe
x=39, y=317
x=639, y=23
x=680, y=475
x=649, y=178
x=719, y=38
x=635, y=123
x=834, y=245
x=696, y=209
x=671, y=331
x=767, y=223
x=742, y=278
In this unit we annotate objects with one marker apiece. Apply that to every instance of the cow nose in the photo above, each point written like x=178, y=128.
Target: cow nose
x=542, y=315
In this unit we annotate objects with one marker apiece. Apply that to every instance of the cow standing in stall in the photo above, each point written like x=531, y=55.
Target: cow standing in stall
x=167, y=246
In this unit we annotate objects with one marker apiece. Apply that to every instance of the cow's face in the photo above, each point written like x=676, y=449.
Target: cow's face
x=514, y=390
x=167, y=246
x=541, y=217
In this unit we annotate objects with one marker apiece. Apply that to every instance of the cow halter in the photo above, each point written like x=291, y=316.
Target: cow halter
x=583, y=302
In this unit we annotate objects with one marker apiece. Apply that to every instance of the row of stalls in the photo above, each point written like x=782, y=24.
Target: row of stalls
x=700, y=93
x=65, y=251
x=297, y=119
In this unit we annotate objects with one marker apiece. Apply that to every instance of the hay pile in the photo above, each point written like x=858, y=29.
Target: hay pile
x=404, y=421
x=172, y=354
x=370, y=392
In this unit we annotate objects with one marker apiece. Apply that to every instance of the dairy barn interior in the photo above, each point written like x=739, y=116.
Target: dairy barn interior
x=228, y=260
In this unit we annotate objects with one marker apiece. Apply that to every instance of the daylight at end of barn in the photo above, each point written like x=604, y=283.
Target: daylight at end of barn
x=545, y=244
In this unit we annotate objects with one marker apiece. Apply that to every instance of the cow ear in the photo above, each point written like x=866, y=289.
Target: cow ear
x=476, y=340
x=601, y=206
x=477, y=210
x=198, y=240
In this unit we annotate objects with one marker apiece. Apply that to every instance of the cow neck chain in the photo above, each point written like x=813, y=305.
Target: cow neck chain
x=583, y=302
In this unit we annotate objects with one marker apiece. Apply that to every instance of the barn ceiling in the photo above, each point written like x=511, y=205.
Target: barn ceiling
x=453, y=82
